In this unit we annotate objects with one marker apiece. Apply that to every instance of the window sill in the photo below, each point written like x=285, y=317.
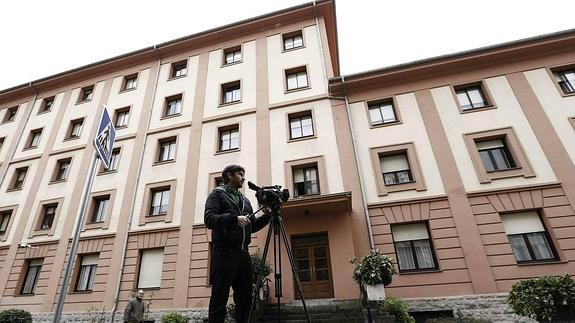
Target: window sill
x=420, y=271
x=471, y=110
x=222, y=152
x=71, y=138
x=297, y=89
x=163, y=162
x=43, y=112
x=57, y=181
x=80, y=292
x=171, y=116
x=542, y=262
x=221, y=105
x=83, y=101
x=6, y=121
x=507, y=173
x=304, y=196
x=292, y=49
x=502, y=170
x=13, y=189
x=29, y=148
x=106, y=172
x=127, y=90
x=563, y=94
x=95, y=225
x=230, y=64
x=41, y=232
x=120, y=127
x=385, y=124
x=177, y=77
x=149, y=288
x=24, y=295
x=302, y=138
x=408, y=186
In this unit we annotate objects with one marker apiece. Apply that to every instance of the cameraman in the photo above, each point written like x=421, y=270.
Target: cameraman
x=228, y=215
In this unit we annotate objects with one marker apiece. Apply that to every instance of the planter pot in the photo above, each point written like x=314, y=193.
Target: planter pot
x=375, y=292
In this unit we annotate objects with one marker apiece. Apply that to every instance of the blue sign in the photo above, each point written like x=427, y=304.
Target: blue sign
x=104, y=141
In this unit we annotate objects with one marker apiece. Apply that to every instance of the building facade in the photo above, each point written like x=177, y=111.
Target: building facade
x=459, y=167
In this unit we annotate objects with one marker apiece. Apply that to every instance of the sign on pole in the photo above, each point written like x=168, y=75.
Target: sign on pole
x=104, y=141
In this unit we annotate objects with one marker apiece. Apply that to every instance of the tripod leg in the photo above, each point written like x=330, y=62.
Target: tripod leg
x=259, y=279
x=293, y=265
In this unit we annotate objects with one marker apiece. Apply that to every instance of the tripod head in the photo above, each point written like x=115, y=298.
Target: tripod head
x=270, y=196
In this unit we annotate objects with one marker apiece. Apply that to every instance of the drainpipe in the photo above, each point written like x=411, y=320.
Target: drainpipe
x=321, y=49
x=354, y=144
x=23, y=128
x=125, y=242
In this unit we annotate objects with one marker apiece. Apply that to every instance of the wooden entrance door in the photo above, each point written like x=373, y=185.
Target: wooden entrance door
x=314, y=267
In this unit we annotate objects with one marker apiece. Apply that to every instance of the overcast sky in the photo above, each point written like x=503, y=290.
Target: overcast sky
x=41, y=38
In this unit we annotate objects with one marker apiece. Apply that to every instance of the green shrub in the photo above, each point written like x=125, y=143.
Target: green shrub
x=373, y=269
x=174, y=317
x=398, y=308
x=543, y=298
x=15, y=316
x=257, y=265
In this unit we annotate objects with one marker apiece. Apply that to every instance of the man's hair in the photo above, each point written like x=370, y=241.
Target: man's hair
x=231, y=169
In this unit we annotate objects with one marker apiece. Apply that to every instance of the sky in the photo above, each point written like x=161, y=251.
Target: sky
x=42, y=38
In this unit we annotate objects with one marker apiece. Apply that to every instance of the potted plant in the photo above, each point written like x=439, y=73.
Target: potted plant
x=546, y=298
x=373, y=272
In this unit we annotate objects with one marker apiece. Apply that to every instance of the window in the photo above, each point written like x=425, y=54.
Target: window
x=122, y=116
x=232, y=55
x=229, y=138
x=301, y=125
x=160, y=201
x=396, y=168
x=497, y=154
x=19, y=176
x=1, y=142
x=10, y=114
x=86, y=93
x=75, y=129
x=62, y=169
x=47, y=105
x=382, y=113
x=33, y=269
x=167, y=149
x=231, y=92
x=49, y=213
x=296, y=78
x=173, y=106
x=179, y=69
x=4, y=221
x=528, y=238
x=566, y=80
x=413, y=247
x=292, y=40
x=87, y=273
x=305, y=181
x=150, y=271
x=130, y=82
x=34, y=139
x=471, y=97
x=100, y=208
x=114, y=160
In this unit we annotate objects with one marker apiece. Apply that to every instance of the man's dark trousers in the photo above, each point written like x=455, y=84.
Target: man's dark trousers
x=230, y=268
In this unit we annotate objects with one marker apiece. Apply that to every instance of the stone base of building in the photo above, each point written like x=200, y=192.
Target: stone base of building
x=491, y=307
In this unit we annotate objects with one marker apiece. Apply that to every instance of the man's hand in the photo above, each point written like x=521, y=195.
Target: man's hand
x=266, y=209
x=243, y=220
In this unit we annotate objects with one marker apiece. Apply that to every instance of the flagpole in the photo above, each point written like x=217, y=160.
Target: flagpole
x=74, y=247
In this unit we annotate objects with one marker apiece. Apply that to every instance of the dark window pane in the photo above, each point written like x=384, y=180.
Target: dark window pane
x=519, y=247
x=539, y=245
x=405, y=255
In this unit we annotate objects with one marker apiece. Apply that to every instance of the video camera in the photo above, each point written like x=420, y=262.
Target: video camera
x=270, y=196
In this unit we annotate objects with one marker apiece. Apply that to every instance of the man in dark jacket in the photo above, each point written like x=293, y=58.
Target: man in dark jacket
x=134, y=312
x=229, y=215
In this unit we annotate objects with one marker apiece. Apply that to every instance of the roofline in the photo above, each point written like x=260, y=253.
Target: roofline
x=436, y=59
x=154, y=48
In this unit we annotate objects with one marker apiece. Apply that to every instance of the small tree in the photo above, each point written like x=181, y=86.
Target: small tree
x=14, y=315
x=543, y=298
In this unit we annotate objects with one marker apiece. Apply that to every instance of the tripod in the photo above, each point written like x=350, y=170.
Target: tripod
x=277, y=228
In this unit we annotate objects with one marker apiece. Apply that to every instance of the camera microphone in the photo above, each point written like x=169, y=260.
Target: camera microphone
x=253, y=186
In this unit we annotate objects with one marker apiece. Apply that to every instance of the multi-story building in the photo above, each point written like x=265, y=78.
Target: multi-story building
x=459, y=167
